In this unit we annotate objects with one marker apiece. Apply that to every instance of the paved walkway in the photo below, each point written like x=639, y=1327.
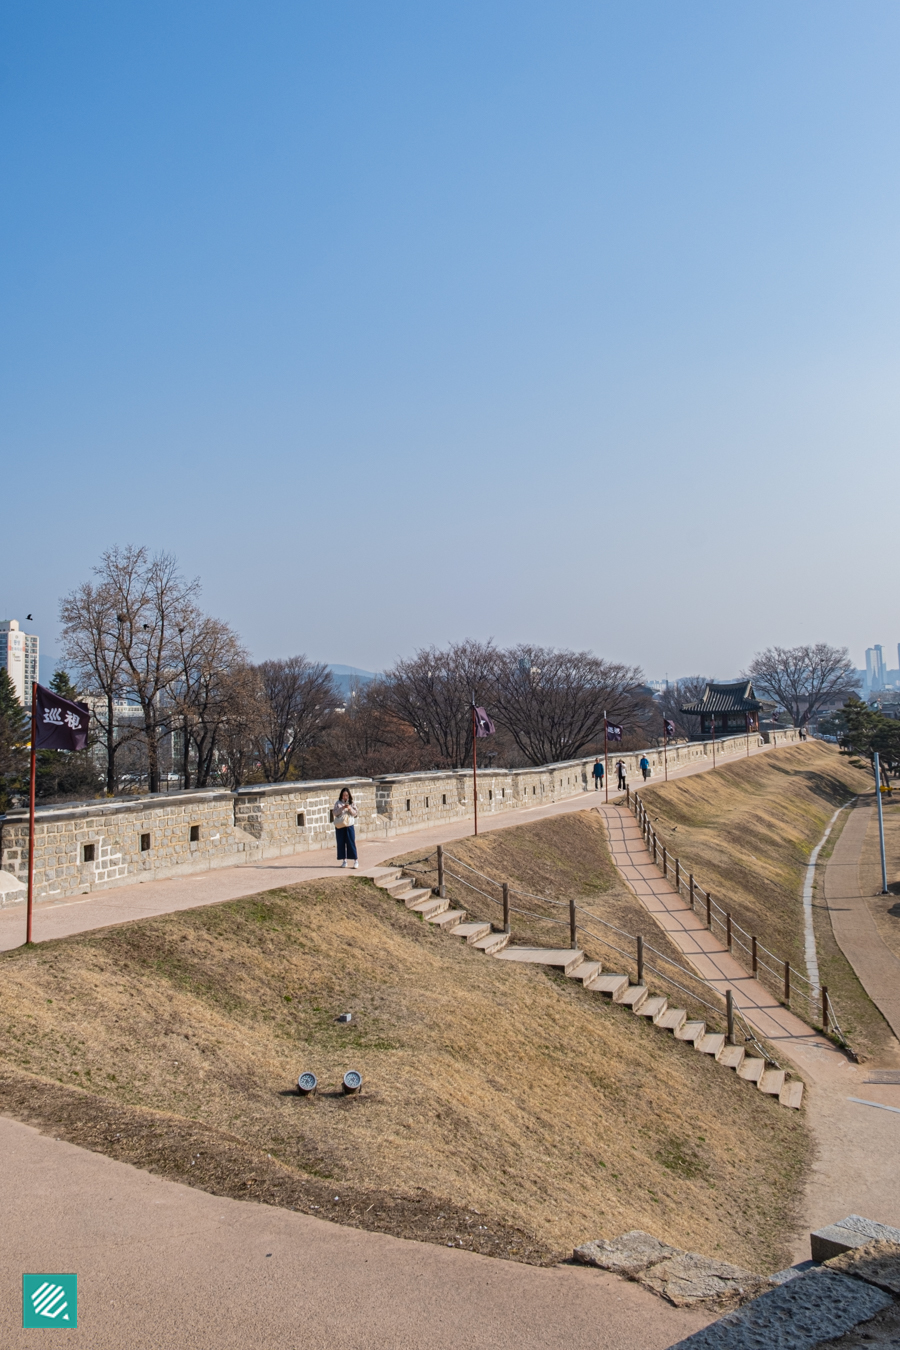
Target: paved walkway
x=162, y=1267
x=853, y=922
x=141, y=900
x=854, y=1171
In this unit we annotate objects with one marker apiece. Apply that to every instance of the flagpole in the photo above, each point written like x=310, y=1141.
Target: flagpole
x=475, y=766
x=666, y=748
x=605, y=758
x=31, y=814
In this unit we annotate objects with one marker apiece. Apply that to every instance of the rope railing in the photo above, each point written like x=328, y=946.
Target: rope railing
x=734, y=1017
x=789, y=982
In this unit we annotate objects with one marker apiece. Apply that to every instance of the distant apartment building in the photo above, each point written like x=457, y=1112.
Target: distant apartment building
x=877, y=676
x=19, y=658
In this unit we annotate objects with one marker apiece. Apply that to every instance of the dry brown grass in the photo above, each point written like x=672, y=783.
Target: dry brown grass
x=512, y=1110
x=564, y=857
x=746, y=832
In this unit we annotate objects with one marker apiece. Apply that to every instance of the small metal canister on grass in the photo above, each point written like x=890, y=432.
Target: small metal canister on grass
x=307, y=1084
x=352, y=1084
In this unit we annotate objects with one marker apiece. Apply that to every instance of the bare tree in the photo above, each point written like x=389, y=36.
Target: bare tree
x=298, y=699
x=553, y=702
x=432, y=693
x=91, y=641
x=241, y=728
x=209, y=653
x=804, y=680
x=678, y=694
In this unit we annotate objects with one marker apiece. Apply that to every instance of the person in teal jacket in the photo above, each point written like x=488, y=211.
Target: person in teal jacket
x=598, y=775
x=645, y=767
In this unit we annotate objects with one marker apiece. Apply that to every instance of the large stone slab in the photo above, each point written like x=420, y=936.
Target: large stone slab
x=689, y=1278
x=626, y=1255
x=845, y=1234
x=795, y=1316
x=877, y=1263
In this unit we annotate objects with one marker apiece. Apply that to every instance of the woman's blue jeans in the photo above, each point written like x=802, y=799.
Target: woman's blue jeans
x=346, y=841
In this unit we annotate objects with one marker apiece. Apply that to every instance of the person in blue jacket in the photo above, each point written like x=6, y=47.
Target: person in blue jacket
x=645, y=767
x=598, y=775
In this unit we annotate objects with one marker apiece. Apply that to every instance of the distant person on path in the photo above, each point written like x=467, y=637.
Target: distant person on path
x=345, y=814
x=645, y=767
x=620, y=770
x=598, y=775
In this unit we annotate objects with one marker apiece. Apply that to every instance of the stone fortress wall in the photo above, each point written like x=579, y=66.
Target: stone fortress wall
x=81, y=848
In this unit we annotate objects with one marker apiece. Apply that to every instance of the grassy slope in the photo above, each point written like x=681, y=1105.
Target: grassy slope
x=500, y=1102
x=746, y=831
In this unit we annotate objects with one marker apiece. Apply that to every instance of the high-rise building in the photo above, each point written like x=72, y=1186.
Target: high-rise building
x=19, y=657
x=874, y=668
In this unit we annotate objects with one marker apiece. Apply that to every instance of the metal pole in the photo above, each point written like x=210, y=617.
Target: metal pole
x=884, y=885
x=640, y=960
x=729, y=1013
x=506, y=906
x=714, y=738
x=666, y=749
x=747, y=720
x=31, y=813
x=441, y=891
x=572, y=925
x=474, y=766
x=825, y=1008
x=605, y=759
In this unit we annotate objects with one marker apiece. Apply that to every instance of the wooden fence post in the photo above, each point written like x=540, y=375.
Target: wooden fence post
x=678, y=876
x=709, y=911
x=787, y=981
x=729, y=1013
x=825, y=1008
x=691, y=889
x=640, y=960
x=753, y=959
x=665, y=861
x=728, y=931
x=441, y=889
x=572, y=924
x=506, y=906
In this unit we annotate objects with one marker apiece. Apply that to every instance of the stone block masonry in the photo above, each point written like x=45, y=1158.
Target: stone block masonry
x=81, y=848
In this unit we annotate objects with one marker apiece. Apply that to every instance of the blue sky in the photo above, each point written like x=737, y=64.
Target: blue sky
x=569, y=323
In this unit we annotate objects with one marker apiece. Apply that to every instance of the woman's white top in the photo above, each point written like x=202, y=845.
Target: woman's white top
x=344, y=814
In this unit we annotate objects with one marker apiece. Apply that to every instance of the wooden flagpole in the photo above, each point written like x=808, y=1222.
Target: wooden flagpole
x=474, y=765
x=30, y=905
x=666, y=747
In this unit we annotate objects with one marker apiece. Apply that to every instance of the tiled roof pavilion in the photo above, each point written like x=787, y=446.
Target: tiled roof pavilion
x=726, y=708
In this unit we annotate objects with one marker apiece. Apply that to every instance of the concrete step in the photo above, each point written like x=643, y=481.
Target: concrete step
x=752, y=1069
x=634, y=996
x=771, y=1081
x=653, y=1007
x=472, y=931
x=610, y=985
x=395, y=884
x=565, y=959
x=691, y=1031
x=413, y=897
x=713, y=1043
x=586, y=971
x=673, y=1019
x=492, y=944
x=792, y=1094
x=448, y=919
x=732, y=1057
x=430, y=906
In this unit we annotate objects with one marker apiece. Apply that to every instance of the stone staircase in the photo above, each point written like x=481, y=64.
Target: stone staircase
x=576, y=966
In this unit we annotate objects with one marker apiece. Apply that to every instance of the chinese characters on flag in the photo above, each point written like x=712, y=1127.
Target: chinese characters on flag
x=59, y=723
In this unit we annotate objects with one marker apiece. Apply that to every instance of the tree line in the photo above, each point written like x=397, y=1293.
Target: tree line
x=173, y=690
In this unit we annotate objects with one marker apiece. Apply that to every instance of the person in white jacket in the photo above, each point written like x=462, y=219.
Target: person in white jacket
x=345, y=814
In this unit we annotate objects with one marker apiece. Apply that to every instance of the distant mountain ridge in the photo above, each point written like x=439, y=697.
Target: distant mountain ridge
x=345, y=677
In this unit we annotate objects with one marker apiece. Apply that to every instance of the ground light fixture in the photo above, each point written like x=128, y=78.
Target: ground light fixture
x=307, y=1084
x=352, y=1083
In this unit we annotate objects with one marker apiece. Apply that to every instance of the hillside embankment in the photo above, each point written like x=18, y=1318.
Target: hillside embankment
x=746, y=833
x=503, y=1110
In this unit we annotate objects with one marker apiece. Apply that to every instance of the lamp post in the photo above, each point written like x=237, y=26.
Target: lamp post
x=884, y=883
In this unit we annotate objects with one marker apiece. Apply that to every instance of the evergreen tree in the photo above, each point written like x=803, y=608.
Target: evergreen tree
x=61, y=684
x=13, y=739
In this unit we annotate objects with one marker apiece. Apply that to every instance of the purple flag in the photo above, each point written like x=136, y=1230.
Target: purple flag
x=670, y=727
x=483, y=724
x=613, y=733
x=60, y=724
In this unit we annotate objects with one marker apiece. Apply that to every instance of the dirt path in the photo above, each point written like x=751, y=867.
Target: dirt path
x=850, y=906
x=167, y=1266
x=855, y=1169
x=79, y=914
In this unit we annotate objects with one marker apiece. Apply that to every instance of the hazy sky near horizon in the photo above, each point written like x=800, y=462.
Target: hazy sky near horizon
x=572, y=323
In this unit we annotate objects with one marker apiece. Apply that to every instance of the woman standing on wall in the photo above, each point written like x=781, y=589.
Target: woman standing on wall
x=345, y=814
